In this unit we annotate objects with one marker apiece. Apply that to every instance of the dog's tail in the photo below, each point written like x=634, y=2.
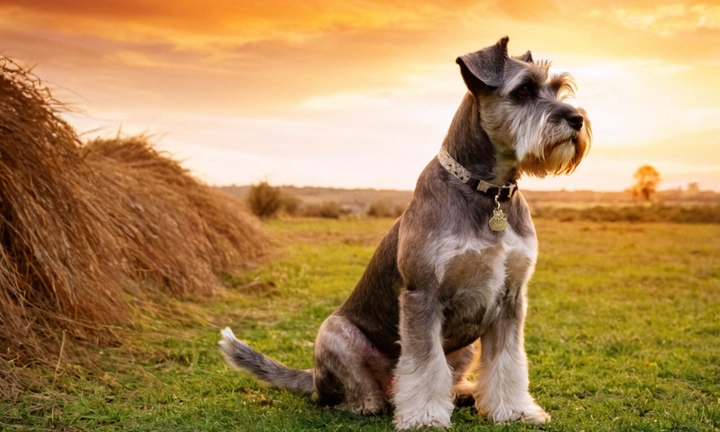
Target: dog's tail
x=239, y=354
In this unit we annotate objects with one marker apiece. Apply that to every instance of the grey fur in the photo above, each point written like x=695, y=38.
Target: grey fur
x=237, y=352
x=441, y=278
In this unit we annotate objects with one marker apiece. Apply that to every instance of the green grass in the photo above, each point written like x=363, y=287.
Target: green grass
x=623, y=333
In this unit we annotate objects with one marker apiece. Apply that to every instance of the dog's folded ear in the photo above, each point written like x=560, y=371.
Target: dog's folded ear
x=484, y=68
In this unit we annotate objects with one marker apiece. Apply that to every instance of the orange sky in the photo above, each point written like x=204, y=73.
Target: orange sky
x=359, y=93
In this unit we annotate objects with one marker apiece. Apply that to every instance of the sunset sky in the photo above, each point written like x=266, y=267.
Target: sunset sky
x=360, y=93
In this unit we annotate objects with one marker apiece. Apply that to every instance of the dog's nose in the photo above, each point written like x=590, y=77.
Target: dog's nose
x=575, y=120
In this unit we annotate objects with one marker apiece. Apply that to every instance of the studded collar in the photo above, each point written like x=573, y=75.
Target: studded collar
x=501, y=193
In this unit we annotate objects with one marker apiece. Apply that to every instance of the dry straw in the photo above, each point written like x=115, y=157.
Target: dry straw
x=85, y=227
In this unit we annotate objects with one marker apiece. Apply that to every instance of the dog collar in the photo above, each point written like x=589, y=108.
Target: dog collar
x=501, y=193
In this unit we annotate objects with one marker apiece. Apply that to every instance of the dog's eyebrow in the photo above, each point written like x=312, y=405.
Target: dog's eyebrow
x=534, y=76
x=524, y=78
x=562, y=84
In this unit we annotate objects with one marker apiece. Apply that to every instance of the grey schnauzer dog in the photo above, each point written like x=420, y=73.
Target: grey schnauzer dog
x=454, y=268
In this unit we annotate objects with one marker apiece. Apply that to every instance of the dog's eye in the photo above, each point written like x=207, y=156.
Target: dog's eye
x=523, y=92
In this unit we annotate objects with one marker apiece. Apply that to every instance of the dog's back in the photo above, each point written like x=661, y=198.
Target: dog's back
x=373, y=304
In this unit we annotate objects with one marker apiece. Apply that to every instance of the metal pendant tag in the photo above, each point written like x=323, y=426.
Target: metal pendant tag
x=498, y=222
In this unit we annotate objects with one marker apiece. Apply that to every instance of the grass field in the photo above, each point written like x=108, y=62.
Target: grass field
x=623, y=333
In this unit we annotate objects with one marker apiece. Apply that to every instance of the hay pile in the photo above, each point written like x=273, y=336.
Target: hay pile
x=85, y=227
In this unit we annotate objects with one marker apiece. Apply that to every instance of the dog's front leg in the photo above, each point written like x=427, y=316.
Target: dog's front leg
x=502, y=385
x=423, y=390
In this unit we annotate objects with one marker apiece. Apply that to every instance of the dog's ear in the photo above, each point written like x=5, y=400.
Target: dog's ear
x=484, y=68
x=527, y=57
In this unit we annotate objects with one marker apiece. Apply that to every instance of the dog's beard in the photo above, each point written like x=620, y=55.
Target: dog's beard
x=552, y=147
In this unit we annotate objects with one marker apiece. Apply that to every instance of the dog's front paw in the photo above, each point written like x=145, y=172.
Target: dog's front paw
x=527, y=411
x=535, y=415
x=422, y=409
x=422, y=402
x=430, y=416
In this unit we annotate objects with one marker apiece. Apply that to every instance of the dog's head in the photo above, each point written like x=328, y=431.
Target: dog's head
x=523, y=112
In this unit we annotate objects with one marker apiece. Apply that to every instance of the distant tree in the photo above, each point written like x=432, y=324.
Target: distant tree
x=693, y=188
x=264, y=200
x=646, y=182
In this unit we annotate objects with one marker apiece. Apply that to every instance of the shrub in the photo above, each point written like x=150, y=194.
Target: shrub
x=289, y=203
x=709, y=214
x=382, y=209
x=327, y=210
x=265, y=201
x=378, y=209
x=330, y=210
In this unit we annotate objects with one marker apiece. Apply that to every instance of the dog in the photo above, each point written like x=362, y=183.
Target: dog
x=455, y=266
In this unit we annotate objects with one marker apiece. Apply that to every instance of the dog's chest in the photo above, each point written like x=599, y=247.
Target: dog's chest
x=476, y=275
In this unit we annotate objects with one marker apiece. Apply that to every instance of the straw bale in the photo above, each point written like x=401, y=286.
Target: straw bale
x=60, y=264
x=182, y=233
x=83, y=228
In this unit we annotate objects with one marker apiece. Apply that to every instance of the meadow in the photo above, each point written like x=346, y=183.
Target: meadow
x=623, y=333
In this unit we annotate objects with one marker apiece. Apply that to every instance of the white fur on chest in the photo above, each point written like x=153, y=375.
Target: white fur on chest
x=476, y=273
x=510, y=255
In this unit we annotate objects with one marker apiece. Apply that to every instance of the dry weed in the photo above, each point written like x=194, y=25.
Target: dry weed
x=85, y=227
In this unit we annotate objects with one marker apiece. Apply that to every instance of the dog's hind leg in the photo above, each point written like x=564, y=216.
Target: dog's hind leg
x=461, y=363
x=350, y=372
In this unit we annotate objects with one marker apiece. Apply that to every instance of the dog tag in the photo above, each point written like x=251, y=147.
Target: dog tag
x=498, y=222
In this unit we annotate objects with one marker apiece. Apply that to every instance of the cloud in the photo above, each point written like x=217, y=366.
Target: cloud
x=192, y=23
x=344, y=101
x=138, y=59
x=665, y=20
x=288, y=81
x=262, y=53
